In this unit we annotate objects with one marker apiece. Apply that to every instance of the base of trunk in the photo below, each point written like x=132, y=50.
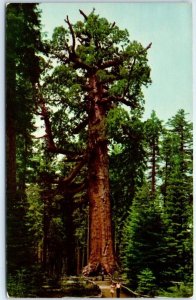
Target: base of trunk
x=93, y=269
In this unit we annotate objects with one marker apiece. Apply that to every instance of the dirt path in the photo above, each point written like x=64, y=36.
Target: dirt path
x=105, y=288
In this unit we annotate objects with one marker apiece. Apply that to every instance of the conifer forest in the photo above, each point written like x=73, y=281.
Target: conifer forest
x=98, y=188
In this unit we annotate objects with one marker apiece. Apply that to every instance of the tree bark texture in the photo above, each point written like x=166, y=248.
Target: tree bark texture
x=101, y=246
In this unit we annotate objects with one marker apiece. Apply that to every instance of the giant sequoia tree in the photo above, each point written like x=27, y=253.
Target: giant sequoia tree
x=97, y=68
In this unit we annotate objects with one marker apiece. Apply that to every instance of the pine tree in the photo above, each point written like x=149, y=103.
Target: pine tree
x=143, y=243
x=126, y=131
x=153, y=129
x=22, y=72
x=178, y=190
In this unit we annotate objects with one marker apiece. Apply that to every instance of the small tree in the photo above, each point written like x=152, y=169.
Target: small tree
x=146, y=282
x=143, y=241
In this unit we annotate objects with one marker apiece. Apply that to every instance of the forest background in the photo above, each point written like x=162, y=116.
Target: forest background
x=155, y=117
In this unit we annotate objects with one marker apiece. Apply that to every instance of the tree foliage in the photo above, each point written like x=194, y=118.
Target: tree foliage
x=160, y=225
x=23, y=40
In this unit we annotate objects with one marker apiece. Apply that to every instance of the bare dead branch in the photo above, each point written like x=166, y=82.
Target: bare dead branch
x=148, y=47
x=83, y=14
x=72, y=34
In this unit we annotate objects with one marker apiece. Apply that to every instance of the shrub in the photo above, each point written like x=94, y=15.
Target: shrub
x=146, y=282
x=178, y=291
x=16, y=285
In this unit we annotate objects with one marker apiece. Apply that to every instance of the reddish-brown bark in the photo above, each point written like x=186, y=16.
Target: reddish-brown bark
x=101, y=247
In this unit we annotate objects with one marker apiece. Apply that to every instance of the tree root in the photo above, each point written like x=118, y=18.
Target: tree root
x=93, y=269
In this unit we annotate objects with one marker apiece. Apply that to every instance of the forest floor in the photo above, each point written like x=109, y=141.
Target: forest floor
x=105, y=288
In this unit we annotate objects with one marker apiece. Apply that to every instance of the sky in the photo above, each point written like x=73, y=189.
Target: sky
x=167, y=25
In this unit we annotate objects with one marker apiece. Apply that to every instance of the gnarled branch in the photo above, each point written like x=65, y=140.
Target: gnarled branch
x=117, y=60
x=49, y=136
x=117, y=99
x=83, y=14
x=75, y=171
x=72, y=34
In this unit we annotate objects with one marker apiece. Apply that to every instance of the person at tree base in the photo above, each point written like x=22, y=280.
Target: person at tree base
x=112, y=289
x=118, y=290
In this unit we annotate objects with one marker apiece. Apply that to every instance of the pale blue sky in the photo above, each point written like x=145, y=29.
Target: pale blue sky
x=167, y=25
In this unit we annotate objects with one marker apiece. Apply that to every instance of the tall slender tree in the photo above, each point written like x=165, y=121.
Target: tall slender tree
x=153, y=128
x=22, y=72
x=126, y=133
x=178, y=189
x=143, y=242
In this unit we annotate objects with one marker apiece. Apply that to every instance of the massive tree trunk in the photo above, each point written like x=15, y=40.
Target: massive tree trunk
x=101, y=246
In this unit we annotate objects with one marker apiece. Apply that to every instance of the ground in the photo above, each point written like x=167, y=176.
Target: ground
x=105, y=288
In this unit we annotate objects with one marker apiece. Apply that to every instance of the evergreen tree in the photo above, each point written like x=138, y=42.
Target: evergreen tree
x=143, y=244
x=153, y=128
x=126, y=132
x=178, y=201
x=22, y=72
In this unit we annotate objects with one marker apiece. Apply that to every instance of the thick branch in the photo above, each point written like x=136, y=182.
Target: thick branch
x=80, y=126
x=73, y=159
x=78, y=189
x=72, y=54
x=75, y=171
x=49, y=136
x=58, y=150
x=116, y=61
x=71, y=190
x=79, y=63
x=111, y=63
x=117, y=99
